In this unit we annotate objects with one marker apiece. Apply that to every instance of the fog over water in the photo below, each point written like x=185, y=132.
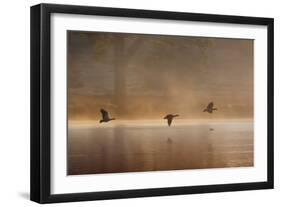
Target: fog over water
x=137, y=76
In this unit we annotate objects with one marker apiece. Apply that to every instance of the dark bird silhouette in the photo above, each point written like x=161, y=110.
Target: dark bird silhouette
x=210, y=108
x=170, y=117
x=105, y=116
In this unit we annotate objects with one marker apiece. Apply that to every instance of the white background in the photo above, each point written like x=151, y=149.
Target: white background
x=14, y=105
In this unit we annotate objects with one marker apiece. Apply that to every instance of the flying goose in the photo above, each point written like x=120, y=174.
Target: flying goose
x=170, y=117
x=210, y=108
x=105, y=116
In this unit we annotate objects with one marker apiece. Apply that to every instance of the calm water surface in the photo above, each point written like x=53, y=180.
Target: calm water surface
x=144, y=147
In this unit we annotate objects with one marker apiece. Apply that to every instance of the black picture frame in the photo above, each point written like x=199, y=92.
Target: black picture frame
x=41, y=96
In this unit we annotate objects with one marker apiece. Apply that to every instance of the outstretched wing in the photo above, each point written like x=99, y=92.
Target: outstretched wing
x=210, y=106
x=104, y=114
x=167, y=116
x=169, y=121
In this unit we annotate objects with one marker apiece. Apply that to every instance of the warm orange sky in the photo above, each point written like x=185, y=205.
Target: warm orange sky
x=147, y=76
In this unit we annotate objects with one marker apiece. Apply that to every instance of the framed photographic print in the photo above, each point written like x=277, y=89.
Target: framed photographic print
x=133, y=103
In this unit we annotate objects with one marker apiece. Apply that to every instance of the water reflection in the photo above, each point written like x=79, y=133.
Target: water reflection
x=153, y=148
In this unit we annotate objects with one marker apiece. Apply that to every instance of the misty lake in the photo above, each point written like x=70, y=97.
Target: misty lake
x=142, y=146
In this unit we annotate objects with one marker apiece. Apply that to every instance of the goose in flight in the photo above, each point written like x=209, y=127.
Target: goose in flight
x=210, y=108
x=105, y=116
x=170, y=117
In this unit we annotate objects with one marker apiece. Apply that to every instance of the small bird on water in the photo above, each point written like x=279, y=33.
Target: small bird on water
x=170, y=118
x=105, y=116
x=210, y=108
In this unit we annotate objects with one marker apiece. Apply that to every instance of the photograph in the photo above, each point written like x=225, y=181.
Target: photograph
x=154, y=102
x=130, y=103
